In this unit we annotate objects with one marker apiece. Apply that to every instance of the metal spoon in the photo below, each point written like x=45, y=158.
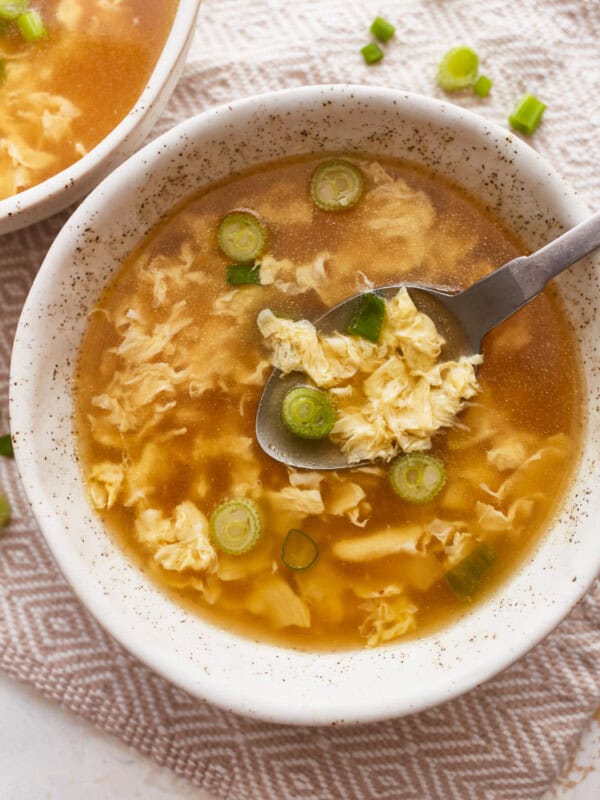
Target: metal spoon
x=463, y=319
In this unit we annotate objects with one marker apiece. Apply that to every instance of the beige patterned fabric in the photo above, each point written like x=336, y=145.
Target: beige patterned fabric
x=505, y=740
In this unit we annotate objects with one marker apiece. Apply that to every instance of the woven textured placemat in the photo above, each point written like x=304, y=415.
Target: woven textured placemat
x=507, y=739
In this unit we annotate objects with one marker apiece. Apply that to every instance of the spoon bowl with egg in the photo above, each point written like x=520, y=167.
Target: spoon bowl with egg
x=462, y=319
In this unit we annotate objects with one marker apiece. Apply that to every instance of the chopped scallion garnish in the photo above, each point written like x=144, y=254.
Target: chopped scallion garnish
x=336, y=185
x=242, y=274
x=11, y=9
x=482, y=86
x=31, y=26
x=308, y=412
x=464, y=579
x=235, y=526
x=242, y=236
x=299, y=551
x=372, y=53
x=417, y=477
x=5, y=512
x=458, y=69
x=368, y=319
x=527, y=115
x=382, y=29
x=6, y=447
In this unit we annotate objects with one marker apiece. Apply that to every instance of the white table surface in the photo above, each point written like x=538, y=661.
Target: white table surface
x=48, y=753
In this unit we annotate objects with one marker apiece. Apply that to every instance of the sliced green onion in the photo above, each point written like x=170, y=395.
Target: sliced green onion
x=242, y=274
x=5, y=512
x=467, y=575
x=235, y=526
x=482, y=86
x=6, y=446
x=336, y=185
x=242, y=237
x=527, y=115
x=372, y=53
x=458, y=69
x=417, y=477
x=382, y=29
x=299, y=551
x=11, y=9
x=368, y=320
x=308, y=412
x=31, y=26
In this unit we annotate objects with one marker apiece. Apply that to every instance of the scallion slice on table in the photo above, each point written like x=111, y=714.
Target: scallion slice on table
x=31, y=26
x=299, y=551
x=371, y=53
x=5, y=512
x=382, y=29
x=235, y=526
x=243, y=274
x=464, y=579
x=482, y=86
x=242, y=237
x=368, y=320
x=458, y=69
x=308, y=412
x=527, y=115
x=417, y=477
x=11, y=9
x=6, y=446
x=336, y=185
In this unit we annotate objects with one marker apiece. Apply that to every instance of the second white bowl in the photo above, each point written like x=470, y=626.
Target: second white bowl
x=56, y=193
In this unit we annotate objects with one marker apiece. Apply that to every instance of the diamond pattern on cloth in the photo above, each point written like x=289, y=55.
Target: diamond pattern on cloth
x=506, y=740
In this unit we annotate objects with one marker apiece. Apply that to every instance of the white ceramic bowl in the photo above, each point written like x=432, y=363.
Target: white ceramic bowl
x=251, y=677
x=53, y=195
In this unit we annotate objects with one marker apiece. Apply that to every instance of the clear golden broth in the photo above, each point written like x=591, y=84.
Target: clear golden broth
x=530, y=381
x=98, y=57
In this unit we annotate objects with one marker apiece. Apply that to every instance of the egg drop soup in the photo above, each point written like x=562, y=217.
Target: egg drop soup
x=172, y=367
x=64, y=91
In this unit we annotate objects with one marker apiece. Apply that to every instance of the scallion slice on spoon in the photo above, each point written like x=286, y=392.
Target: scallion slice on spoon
x=368, y=320
x=308, y=412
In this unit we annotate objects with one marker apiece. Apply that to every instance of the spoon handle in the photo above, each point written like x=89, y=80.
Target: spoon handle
x=494, y=298
x=553, y=258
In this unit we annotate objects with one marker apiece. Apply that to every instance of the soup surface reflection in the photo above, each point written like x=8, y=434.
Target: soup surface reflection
x=62, y=94
x=172, y=367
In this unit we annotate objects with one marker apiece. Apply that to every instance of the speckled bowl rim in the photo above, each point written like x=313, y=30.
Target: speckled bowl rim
x=333, y=676
x=60, y=190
